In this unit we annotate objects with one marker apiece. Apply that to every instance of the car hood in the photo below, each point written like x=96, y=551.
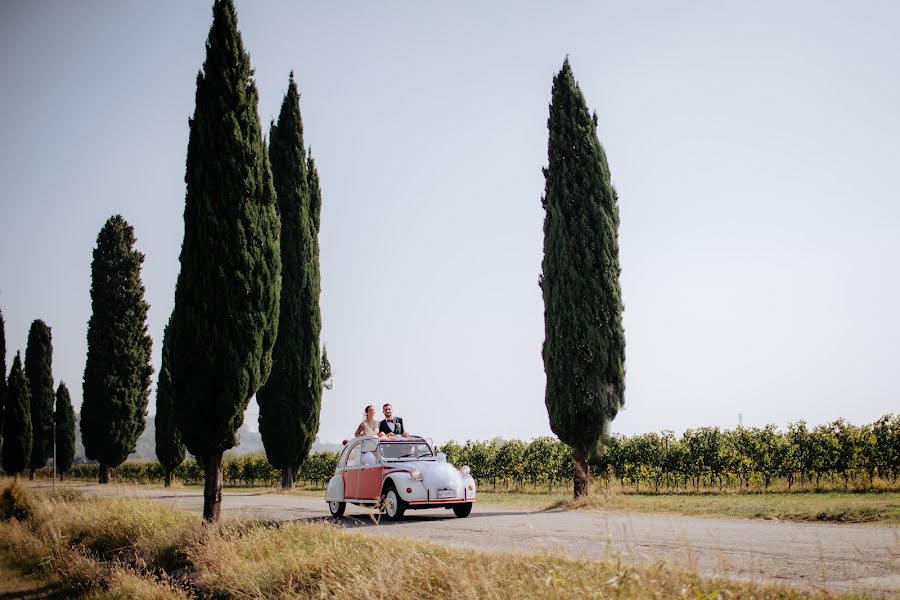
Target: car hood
x=434, y=473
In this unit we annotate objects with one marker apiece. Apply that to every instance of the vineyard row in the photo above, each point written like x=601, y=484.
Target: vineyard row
x=853, y=456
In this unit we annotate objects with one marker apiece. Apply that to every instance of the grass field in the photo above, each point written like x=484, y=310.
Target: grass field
x=881, y=508
x=133, y=548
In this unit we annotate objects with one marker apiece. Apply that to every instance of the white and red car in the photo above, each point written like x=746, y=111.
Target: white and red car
x=398, y=474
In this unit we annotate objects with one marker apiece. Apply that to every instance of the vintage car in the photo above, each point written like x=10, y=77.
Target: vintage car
x=398, y=474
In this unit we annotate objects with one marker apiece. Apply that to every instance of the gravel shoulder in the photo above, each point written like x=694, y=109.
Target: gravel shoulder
x=820, y=556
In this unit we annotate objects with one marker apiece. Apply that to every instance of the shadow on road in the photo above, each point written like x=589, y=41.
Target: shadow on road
x=373, y=520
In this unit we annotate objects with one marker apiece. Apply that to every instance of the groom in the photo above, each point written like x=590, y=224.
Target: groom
x=390, y=424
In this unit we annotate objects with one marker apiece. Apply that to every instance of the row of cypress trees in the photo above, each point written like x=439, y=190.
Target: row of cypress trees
x=30, y=410
x=246, y=299
x=250, y=269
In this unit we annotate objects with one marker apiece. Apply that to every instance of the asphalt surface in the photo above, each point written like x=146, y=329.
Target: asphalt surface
x=828, y=557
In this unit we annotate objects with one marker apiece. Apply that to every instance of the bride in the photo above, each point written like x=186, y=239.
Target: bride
x=369, y=426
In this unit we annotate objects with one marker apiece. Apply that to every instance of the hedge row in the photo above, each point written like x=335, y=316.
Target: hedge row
x=248, y=470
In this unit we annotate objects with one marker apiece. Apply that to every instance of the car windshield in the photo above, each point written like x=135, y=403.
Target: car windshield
x=405, y=450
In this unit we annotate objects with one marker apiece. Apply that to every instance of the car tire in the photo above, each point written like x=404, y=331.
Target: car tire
x=337, y=508
x=393, y=505
x=462, y=510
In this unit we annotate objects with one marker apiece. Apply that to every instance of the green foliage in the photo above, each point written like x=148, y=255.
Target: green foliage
x=65, y=434
x=39, y=373
x=327, y=375
x=117, y=372
x=17, y=435
x=169, y=448
x=225, y=318
x=584, y=346
x=291, y=399
x=246, y=470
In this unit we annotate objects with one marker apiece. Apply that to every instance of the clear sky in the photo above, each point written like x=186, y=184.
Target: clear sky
x=755, y=148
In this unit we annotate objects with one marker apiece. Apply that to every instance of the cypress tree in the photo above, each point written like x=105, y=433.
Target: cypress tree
x=65, y=431
x=290, y=400
x=169, y=447
x=584, y=345
x=2, y=372
x=315, y=315
x=16, y=452
x=225, y=318
x=117, y=372
x=39, y=372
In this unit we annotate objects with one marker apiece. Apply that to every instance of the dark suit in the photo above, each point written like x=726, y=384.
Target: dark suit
x=398, y=426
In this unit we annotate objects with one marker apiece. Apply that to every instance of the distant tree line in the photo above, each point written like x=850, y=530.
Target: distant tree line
x=32, y=415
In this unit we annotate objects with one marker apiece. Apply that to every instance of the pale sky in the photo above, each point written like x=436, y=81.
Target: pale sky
x=754, y=147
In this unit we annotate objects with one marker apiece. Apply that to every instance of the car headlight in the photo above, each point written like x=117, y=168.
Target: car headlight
x=465, y=470
x=416, y=474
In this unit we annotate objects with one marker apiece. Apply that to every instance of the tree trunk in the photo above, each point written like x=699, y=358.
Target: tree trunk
x=582, y=472
x=212, y=488
x=31, y=474
x=104, y=473
x=62, y=476
x=287, y=478
x=168, y=480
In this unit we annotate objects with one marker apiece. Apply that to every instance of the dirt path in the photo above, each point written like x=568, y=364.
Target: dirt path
x=830, y=557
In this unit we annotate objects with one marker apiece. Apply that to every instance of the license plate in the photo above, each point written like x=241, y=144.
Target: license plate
x=446, y=494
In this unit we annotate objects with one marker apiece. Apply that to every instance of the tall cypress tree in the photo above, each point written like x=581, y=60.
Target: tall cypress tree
x=117, y=372
x=16, y=452
x=227, y=296
x=290, y=400
x=584, y=345
x=39, y=372
x=314, y=314
x=169, y=447
x=65, y=431
x=2, y=372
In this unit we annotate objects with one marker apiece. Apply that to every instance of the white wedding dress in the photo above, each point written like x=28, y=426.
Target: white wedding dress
x=368, y=430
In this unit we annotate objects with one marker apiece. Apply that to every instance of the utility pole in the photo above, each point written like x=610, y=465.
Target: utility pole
x=48, y=429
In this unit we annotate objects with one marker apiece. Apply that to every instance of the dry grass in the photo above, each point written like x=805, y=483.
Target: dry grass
x=83, y=541
x=883, y=508
x=127, y=584
x=129, y=548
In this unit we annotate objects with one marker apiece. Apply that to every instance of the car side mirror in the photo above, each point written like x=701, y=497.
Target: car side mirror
x=441, y=457
x=369, y=445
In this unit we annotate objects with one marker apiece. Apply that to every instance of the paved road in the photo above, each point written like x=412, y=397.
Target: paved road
x=835, y=558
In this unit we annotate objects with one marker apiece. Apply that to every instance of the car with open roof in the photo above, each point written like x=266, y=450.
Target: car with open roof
x=396, y=475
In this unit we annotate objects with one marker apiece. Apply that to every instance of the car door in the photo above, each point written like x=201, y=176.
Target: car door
x=351, y=473
x=370, y=469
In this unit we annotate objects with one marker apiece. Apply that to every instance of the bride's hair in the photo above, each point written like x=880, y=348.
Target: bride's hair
x=366, y=409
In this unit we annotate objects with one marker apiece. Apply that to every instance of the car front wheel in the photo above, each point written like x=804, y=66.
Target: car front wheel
x=337, y=508
x=462, y=510
x=394, y=506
